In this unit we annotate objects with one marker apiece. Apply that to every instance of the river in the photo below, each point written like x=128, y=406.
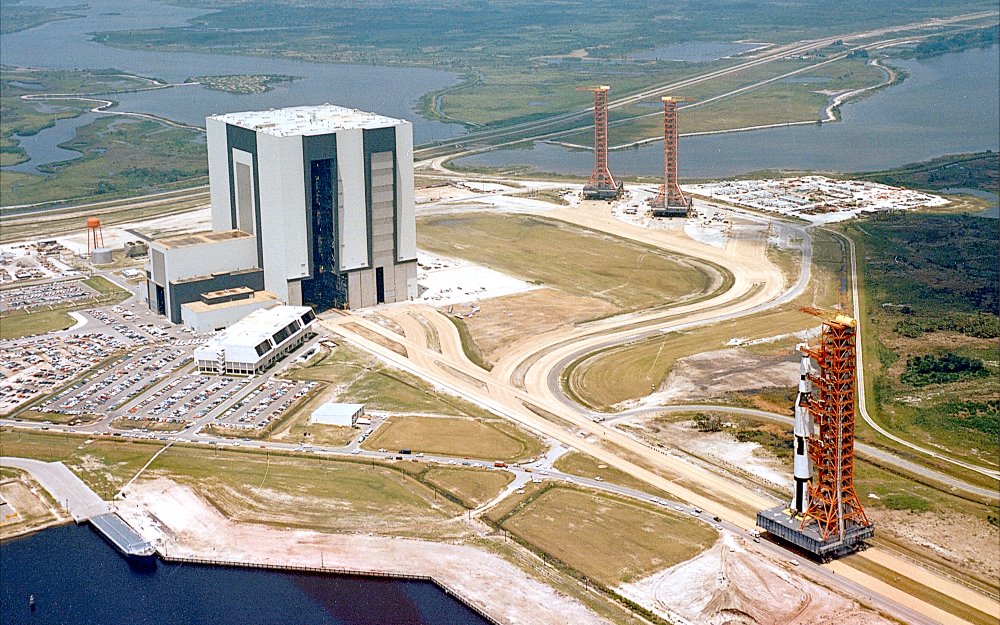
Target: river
x=78, y=578
x=947, y=104
x=66, y=44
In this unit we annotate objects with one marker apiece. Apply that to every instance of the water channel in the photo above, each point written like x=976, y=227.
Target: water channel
x=78, y=578
x=948, y=104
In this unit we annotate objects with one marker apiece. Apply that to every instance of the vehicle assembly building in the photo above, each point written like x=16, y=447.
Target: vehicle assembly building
x=313, y=204
x=825, y=516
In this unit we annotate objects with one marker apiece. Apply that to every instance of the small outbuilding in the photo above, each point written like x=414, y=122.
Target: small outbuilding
x=344, y=415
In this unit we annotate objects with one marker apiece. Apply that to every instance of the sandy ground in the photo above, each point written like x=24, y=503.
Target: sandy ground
x=958, y=538
x=715, y=373
x=184, y=525
x=732, y=585
x=448, y=281
x=721, y=448
x=25, y=509
x=517, y=319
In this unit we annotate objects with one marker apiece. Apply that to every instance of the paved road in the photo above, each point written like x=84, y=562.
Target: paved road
x=63, y=485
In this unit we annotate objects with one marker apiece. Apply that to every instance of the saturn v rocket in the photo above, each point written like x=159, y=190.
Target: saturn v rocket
x=803, y=432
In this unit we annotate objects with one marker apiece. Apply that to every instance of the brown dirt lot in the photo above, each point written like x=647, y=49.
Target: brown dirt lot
x=961, y=539
x=30, y=508
x=504, y=321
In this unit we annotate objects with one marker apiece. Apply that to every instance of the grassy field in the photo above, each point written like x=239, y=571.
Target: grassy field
x=364, y=380
x=779, y=102
x=610, y=377
x=572, y=259
x=578, y=463
x=18, y=323
x=118, y=157
x=607, y=539
x=328, y=495
x=111, y=212
x=930, y=293
x=471, y=486
x=476, y=438
x=284, y=490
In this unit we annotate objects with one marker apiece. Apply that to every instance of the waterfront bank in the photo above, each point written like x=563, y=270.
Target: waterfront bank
x=88, y=583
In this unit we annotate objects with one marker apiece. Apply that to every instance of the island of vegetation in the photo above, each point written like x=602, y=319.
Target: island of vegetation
x=241, y=83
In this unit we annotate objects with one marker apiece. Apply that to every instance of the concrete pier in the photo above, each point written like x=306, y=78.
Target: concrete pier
x=83, y=504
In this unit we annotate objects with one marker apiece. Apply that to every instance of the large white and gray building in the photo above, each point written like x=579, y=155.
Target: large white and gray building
x=317, y=204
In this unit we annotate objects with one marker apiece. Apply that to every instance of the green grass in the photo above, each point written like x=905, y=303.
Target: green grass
x=576, y=260
x=18, y=323
x=475, y=438
x=501, y=48
x=609, y=377
x=278, y=489
x=472, y=487
x=578, y=463
x=469, y=347
x=118, y=157
x=323, y=494
x=605, y=538
x=364, y=380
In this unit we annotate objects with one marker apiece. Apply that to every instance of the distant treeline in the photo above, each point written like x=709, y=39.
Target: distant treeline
x=980, y=170
x=953, y=43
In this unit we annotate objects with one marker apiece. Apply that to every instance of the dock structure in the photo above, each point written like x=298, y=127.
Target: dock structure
x=64, y=486
x=83, y=504
x=122, y=536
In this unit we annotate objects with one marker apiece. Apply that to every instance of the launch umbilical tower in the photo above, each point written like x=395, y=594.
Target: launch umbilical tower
x=602, y=185
x=670, y=201
x=825, y=515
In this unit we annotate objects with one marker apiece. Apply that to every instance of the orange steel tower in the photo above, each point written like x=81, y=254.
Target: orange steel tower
x=833, y=502
x=95, y=237
x=670, y=195
x=832, y=522
x=602, y=185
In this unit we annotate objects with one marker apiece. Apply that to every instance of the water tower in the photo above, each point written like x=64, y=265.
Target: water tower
x=95, y=237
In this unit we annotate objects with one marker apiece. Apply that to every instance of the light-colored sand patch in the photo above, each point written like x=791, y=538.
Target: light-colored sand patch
x=448, y=281
x=184, y=525
x=724, y=449
x=731, y=584
x=962, y=539
x=715, y=373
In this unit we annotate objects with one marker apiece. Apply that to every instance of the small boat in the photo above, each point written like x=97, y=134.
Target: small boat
x=31, y=601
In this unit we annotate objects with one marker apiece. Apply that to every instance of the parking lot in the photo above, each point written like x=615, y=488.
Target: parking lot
x=116, y=384
x=187, y=397
x=36, y=367
x=44, y=295
x=264, y=404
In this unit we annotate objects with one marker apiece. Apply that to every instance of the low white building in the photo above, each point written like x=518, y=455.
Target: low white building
x=218, y=310
x=257, y=341
x=344, y=415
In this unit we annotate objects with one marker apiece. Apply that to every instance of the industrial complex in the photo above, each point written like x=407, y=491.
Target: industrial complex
x=289, y=321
